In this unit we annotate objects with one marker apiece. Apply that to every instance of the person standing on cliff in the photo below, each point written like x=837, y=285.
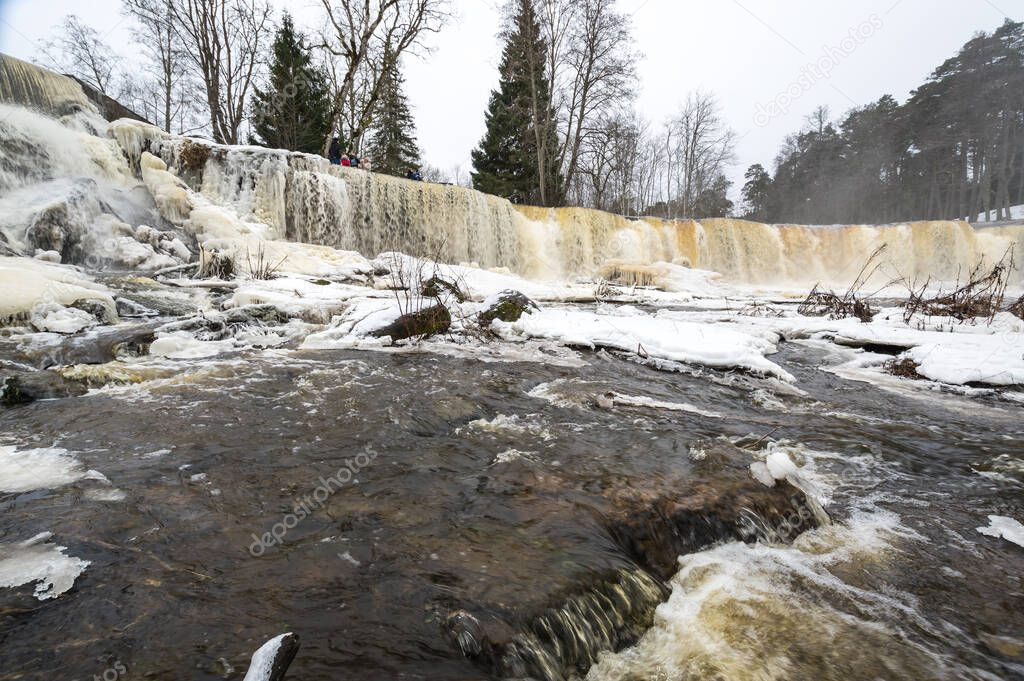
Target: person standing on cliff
x=334, y=154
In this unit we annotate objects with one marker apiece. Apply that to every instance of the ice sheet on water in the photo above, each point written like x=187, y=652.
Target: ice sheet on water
x=680, y=341
x=38, y=561
x=263, y=659
x=27, y=282
x=24, y=470
x=1000, y=526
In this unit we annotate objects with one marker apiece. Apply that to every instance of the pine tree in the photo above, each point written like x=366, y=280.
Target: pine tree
x=756, y=192
x=517, y=156
x=393, y=147
x=294, y=111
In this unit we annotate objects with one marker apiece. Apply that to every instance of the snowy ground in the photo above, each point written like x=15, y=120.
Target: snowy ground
x=1016, y=213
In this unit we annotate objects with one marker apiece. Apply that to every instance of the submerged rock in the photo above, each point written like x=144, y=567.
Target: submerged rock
x=507, y=306
x=559, y=630
x=18, y=388
x=427, y=322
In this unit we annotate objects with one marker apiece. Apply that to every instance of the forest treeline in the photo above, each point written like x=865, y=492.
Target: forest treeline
x=562, y=126
x=954, y=149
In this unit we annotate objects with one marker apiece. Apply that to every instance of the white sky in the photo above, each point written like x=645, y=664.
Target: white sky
x=746, y=51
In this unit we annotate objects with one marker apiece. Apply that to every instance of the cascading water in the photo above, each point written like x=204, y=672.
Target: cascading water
x=306, y=199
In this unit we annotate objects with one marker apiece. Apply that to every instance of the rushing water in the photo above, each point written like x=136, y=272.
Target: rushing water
x=488, y=489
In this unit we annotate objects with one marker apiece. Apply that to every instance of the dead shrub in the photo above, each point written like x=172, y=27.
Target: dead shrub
x=1017, y=308
x=193, y=156
x=822, y=303
x=761, y=310
x=903, y=367
x=261, y=268
x=214, y=265
x=980, y=298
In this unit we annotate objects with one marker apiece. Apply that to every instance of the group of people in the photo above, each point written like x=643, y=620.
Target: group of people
x=352, y=161
x=348, y=159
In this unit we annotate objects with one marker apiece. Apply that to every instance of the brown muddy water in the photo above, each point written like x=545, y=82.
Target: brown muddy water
x=414, y=516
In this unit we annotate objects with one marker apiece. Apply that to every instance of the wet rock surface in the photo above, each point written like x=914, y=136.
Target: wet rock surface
x=431, y=321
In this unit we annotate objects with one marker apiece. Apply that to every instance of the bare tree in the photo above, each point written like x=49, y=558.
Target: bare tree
x=704, y=146
x=819, y=119
x=162, y=95
x=223, y=41
x=79, y=51
x=367, y=37
x=600, y=68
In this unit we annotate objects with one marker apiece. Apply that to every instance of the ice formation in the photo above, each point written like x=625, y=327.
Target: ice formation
x=39, y=561
x=24, y=470
x=1009, y=529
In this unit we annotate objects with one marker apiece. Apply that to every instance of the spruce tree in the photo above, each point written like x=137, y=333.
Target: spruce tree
x=393, y=147
x=521, y=139
x=756, y=192
x=294, y=110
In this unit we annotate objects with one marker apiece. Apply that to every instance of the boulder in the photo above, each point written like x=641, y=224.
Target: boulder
x=255, y=315
x=507, y=306
x=426, y=322
x=435, y=287
x=577, y=611
x=24, y=387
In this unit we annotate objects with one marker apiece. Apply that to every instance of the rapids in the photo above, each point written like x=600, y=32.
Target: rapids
x=487, y=490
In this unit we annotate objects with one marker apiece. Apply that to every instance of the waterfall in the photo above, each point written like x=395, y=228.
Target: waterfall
x=48, y=92
x=303, y=198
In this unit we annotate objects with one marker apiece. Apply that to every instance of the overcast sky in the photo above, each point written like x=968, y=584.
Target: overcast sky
x=770, y=62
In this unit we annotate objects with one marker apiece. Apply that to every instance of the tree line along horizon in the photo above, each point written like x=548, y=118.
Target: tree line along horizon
x=562, y=127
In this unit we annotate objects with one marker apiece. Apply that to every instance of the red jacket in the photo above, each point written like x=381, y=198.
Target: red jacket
x=345, y=161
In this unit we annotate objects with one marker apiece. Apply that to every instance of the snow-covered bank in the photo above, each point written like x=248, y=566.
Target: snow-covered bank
x=647, y=336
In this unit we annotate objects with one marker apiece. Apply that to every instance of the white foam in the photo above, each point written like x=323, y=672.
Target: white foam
x=530, y=424
x=510, y=455
x=770, y=612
